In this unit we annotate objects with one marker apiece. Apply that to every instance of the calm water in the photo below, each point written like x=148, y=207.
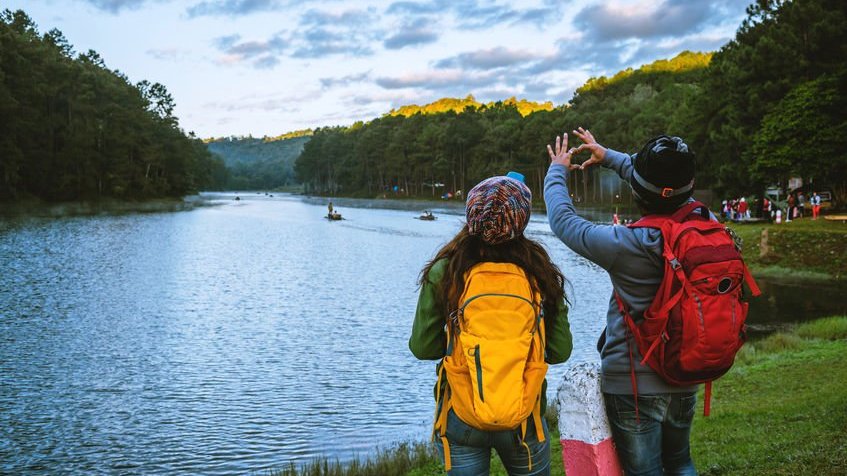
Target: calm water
x=234, y=338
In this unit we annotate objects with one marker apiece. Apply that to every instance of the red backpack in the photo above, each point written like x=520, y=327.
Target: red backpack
x=695, y=324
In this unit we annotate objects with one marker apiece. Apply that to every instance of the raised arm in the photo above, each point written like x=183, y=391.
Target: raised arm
x=598, y=243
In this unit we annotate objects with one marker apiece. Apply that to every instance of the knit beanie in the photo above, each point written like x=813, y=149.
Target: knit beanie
x=498, y=209
x=663, y=175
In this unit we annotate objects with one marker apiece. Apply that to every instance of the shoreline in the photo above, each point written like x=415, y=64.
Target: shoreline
x=798, y=404
x=107, y=206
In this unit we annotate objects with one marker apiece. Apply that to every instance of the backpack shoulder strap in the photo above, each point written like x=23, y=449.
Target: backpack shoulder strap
x=679, y=216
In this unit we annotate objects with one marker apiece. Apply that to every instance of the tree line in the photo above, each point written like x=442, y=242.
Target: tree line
x=260, y=163
x=72, y=128
x=769, y=105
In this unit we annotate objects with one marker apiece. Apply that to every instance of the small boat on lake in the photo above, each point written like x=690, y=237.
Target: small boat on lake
x=333, y=216
x=427, y=216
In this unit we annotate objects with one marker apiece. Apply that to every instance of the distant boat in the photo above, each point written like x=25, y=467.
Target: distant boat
x=333, y=216
x=428, y=216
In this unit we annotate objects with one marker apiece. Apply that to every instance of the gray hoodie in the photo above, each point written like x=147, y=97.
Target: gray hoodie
x=633, y=259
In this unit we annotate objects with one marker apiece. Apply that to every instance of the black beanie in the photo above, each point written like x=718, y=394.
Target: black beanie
x=663, y=178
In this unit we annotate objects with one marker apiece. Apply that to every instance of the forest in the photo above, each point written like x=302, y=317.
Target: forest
x=769, y=105
x=263, y=163
x=74, y=129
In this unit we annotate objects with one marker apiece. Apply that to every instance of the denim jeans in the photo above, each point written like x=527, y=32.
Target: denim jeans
x=470, y=449
x=656, y=442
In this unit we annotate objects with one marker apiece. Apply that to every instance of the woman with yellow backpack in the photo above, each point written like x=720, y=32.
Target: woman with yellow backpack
x=492, y=309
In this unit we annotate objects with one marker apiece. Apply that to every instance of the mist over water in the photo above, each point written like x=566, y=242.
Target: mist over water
x=232, y=338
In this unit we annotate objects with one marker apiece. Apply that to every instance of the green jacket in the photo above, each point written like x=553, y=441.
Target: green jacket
x=429, y=338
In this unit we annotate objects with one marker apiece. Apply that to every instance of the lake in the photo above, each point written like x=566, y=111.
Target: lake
x=242, y=336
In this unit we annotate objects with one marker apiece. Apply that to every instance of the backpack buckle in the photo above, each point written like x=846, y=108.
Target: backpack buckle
x=675, y=264
x=667, y=192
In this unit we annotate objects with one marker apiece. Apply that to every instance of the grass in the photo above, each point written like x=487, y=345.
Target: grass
x=781, y=410
x=802, y=249
x=407, y=458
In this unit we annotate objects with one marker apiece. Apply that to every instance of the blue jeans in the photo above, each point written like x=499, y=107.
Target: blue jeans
x=656, y=443
x=470, y=449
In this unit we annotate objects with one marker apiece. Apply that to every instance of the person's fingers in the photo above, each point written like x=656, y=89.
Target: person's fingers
x=583, y=147
x=550, y=151
x=558, y=148
x=564, y=141
x=580, y=135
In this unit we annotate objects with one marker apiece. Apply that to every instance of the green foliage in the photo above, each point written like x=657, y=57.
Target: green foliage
x=74, y=129
x=458, y=142
x=783, y=414
x=404, y=459
x=779, y=47
x=255, y=164
x=458, y=106
x=810, y=121
x=802, y=248
x=830, y=328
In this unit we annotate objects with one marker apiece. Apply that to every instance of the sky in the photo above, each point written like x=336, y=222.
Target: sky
x=266, y=67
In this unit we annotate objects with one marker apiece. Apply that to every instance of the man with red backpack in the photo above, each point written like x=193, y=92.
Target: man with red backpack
x=675, y=318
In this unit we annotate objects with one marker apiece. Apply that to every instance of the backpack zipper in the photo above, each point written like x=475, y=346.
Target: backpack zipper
x=478, y=362
x=461, y=310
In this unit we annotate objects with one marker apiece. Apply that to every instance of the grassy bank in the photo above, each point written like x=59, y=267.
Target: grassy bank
x=801, y=249
x=106, y=206
x=782, y=410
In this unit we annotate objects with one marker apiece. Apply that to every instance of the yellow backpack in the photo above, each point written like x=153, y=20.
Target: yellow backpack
x=494, y=365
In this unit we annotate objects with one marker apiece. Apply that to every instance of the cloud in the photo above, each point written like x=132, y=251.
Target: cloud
x=232, y=7
x=264, y=102
x=473, y=14
x=613, y=21
x=442, y=82
x=488, y=59
x=399, y=8
x=261, y=53
x=116, y=6
x=323, y=33
x=343, y=81
x=347, y=18
x=321, y=42
x=266, y=62
x=418, y=32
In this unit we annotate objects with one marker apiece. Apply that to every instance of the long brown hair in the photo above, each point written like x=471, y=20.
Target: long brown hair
x=466, y=250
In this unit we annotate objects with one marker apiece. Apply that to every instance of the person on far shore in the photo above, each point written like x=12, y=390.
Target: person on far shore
x=652, y=433
x=816, y=205
x=792, y=200
x=743, y=210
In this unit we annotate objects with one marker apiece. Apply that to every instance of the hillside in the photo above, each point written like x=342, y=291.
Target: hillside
x=263, y=163
x=456, y=105
x=457, y=142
